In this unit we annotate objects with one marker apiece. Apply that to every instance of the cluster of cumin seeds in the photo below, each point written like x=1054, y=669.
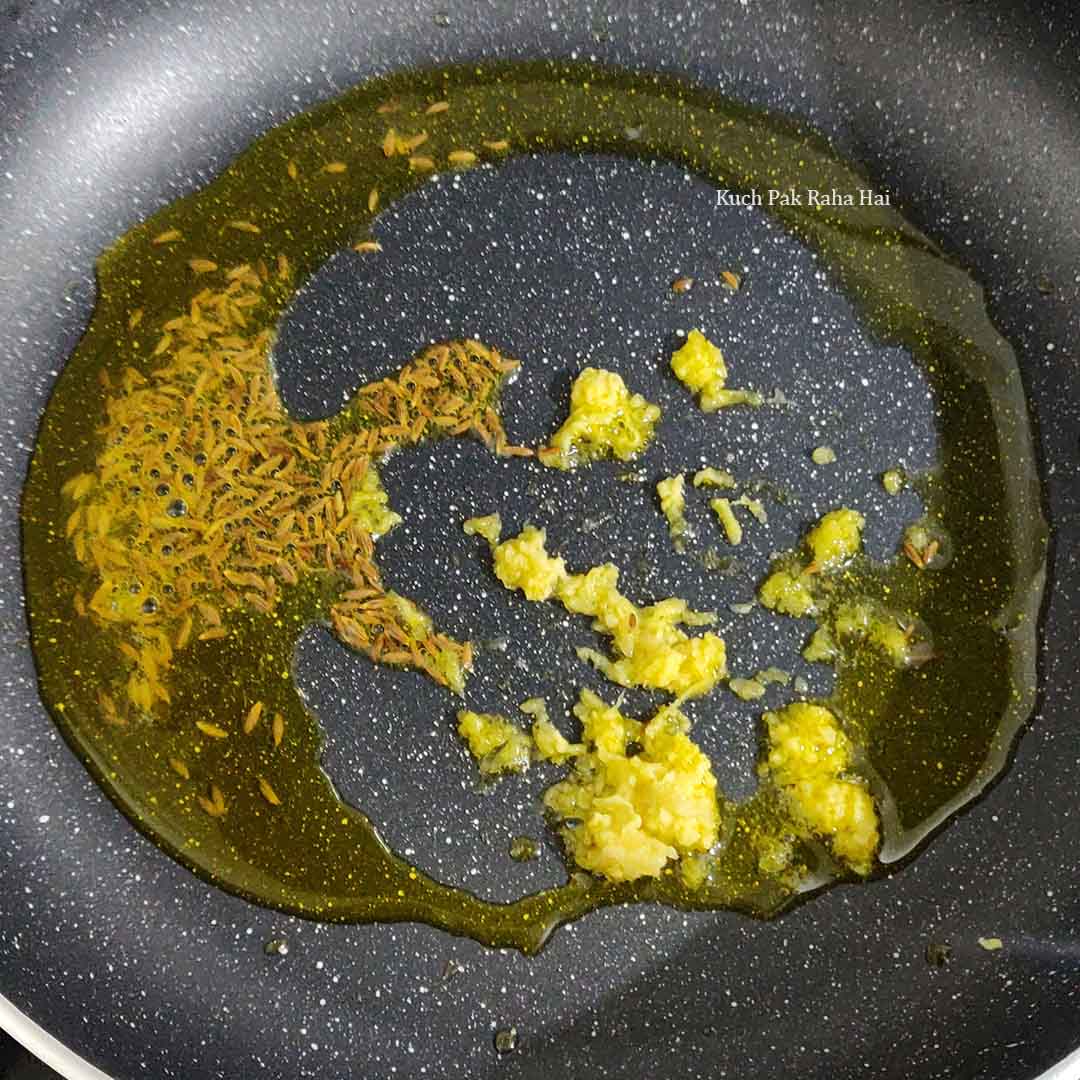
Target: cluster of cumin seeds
x=206, y=498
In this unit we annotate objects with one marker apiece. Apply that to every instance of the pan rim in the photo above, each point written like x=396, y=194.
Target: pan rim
x=74, y=1067
x=47, y=1048
x=59, y=1057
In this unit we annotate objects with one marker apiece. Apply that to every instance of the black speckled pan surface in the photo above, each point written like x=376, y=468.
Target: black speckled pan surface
x=970, y=115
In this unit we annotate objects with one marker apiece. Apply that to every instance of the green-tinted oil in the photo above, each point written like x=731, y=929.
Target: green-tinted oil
x=934, y=735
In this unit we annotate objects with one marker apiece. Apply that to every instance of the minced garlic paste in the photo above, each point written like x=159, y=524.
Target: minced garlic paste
x=794, y=590
x=788, y=593
x=498, y=745
x=489, y=527
x=730, y=523
x=370, y=505
x=672, y=494
x=549, y=743
x=606, y=420
x=713, y=477
x=650, y=649
x=755, y=506
x=820, y=649
x=889, y=631
x=699, y=366
x=892, y=480
x=626, y=814
x=638, y=795
x=523, y=563
x=836, y=537
x=831, y=542
x=808, y=758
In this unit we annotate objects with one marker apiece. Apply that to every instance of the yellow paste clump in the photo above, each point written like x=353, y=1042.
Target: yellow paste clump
x=831, y=542
x=634, y=812
x=712, y=477
x=747, y=689
x=650, y=649
x=605, y=420
x=807, y=759
x=788, y=593
x=732, y=527
x=672, y=493
x=498, y=745
x=836, y=537
x=699, y=366
x=756, y=508
x=489, y=527
x=892, y=480
x=523, y=563
x=550, y=744
x=820, y=649
x=370, y=505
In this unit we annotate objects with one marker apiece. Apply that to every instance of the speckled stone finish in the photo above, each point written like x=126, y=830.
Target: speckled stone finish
x=971, y=118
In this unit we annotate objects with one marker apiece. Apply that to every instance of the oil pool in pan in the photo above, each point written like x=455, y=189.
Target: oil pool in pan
x=180, y=530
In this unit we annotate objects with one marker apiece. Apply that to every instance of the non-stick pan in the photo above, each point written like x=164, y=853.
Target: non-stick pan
x=113, y=955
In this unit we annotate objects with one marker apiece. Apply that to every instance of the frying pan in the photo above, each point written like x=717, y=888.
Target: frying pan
x=114, y=956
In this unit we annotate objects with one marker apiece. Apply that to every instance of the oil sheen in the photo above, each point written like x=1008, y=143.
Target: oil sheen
x=196, y=730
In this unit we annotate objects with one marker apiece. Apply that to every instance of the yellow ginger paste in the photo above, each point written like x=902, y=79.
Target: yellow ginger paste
x=788, y=593
x=892, y=480
x=888, y=631
x=523, y=563
x=550, y=744
x=489, y=527
x=807, y=758
x=635, y=812
x=699, y=366
x=732, y=527
x=836, y=538
x=370, y=505
x=606, y=420
x=650, y=649
x=498, y=745
x=672, y=494
x=712, y=477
